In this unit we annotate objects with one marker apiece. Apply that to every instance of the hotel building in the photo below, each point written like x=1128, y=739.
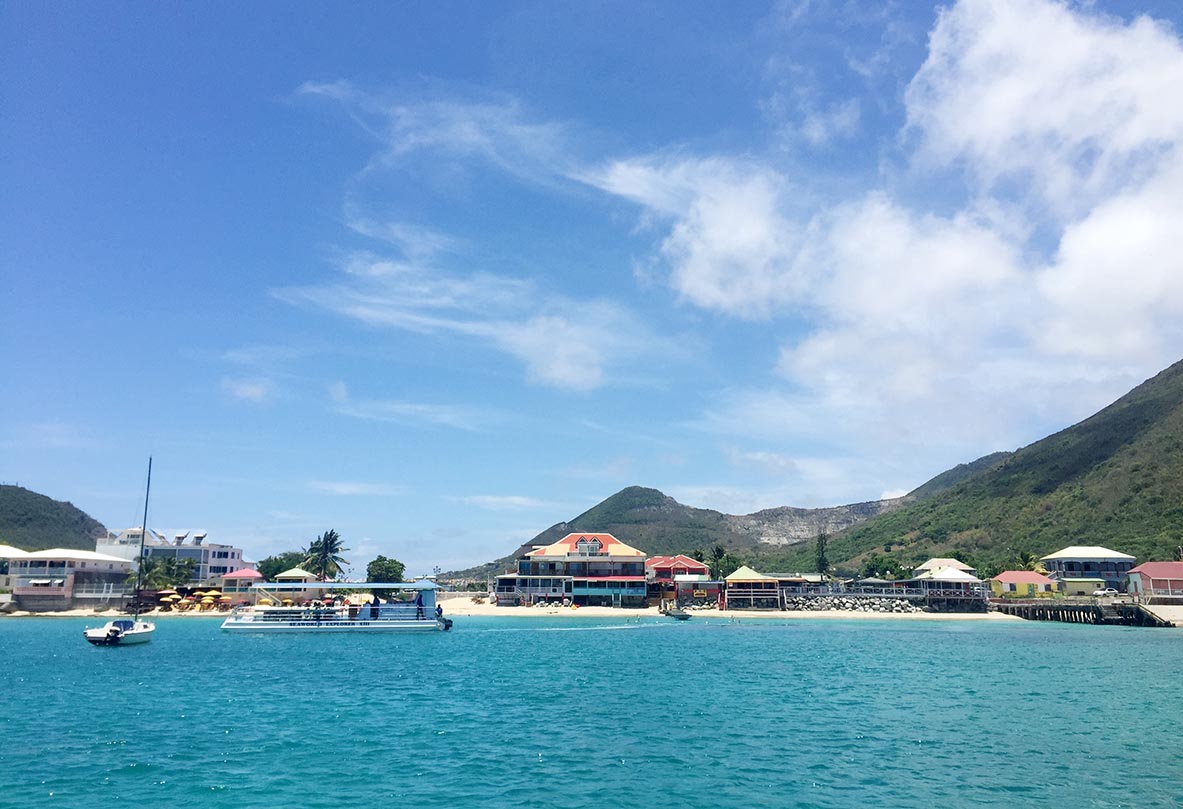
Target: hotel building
x=584, y=569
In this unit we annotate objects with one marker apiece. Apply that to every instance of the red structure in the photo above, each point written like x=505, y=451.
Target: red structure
x=664, y=568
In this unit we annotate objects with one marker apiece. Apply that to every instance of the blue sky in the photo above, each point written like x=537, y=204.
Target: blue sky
x=439, y=275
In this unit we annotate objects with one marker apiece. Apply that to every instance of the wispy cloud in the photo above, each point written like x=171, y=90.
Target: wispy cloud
x=257, y=390
x=403, y=412
x=356, y=489
x=562, y=343
x=494, y=502
x=49, y=435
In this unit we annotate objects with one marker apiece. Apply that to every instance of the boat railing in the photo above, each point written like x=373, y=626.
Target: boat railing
x=358, y=612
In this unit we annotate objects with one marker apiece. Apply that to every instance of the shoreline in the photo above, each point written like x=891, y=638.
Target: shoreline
x=470, y=610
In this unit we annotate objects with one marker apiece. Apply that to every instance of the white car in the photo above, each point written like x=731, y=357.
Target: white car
x=1108, y=591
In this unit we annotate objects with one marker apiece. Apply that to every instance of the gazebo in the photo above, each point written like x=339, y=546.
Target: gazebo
x=240, y=581
x=747, y=589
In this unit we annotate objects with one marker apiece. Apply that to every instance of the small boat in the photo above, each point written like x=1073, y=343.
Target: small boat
x=419, y=615
x=678, y=614
x=122, y=631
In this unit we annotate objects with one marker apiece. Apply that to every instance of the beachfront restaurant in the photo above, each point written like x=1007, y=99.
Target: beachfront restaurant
x=749, y=590
x=64, y=579
x=584, y=569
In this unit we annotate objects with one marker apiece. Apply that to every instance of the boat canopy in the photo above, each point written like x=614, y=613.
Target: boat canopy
x=421, y=584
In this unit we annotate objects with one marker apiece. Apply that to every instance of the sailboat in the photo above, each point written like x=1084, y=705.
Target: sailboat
x=122, y=631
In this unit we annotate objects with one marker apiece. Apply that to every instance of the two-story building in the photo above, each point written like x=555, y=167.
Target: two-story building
x=210, y=560
x=584, y=569
x=64, y=579
x=1080, y=569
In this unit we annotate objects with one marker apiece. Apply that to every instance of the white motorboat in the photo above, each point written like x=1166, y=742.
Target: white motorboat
x=120, y=632
x=419, y=615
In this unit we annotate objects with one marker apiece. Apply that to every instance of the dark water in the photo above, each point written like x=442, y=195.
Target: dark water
x=579, y=712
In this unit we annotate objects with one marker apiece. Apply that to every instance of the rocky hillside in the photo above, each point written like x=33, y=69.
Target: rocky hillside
x=659, y=524
x=32, y=521
x=1115, y=479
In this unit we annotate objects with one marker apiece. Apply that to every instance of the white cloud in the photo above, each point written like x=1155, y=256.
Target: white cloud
x=494, y=502
x=730, y=246
x=353, y=488
x=413, y=413
x=916, y=331
x=258, y=390
x=563, y=343
x=1073, y=104
x=496, y=131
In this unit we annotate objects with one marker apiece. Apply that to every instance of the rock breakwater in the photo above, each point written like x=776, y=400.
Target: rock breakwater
x=849, y=604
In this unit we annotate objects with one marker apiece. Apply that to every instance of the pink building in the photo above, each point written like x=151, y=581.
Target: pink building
x=1156, y=579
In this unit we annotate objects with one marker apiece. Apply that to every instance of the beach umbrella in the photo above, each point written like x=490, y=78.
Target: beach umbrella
x=225, y=598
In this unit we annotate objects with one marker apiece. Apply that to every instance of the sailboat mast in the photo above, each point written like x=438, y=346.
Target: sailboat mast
x=143, y=536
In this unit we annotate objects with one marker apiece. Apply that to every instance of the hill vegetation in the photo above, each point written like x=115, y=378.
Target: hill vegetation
x=33, y=522
x=1115, y=479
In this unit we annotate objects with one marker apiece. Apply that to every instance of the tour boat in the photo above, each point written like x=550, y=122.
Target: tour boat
x=122, y=631
x=269, y=614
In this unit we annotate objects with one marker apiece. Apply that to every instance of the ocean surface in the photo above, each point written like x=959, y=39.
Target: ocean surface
x=583, y=712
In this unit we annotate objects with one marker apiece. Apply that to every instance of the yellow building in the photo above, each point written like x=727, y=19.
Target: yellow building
x=1022, y=584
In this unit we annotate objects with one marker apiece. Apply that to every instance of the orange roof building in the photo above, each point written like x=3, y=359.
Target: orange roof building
x=589, y=569
x=664, y=568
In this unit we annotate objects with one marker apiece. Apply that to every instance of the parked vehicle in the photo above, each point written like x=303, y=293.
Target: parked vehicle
x=1104, y=593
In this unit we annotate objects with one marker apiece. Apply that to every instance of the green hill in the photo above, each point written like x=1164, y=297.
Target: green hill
x=1115, y=479
x=32, y=521
x=659, y=524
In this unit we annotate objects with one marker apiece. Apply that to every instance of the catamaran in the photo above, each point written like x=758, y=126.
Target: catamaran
x=122, y=631
x=270, y=614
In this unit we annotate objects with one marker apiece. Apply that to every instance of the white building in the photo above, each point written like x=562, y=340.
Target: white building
x=210, y=560
x=63, y=579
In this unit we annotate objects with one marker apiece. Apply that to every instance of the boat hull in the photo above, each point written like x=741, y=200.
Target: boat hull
x=344, y=625
x=112, y=635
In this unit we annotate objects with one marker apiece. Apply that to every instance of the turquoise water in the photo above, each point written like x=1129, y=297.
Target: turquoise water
x=581, y=712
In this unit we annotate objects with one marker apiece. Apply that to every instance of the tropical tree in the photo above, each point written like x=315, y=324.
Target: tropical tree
x=162, y=572
x=1025, y=560
x=820, y=560
x=723, y=563
x=383, y=569
x=323, y=557
x=272, y=566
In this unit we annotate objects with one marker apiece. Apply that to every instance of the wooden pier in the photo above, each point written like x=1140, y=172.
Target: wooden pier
x=1090, y=611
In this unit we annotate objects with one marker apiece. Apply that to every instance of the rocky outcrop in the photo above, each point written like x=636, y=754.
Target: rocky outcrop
x=788, y=525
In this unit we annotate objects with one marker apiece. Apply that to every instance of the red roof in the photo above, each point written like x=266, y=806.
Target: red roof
x=568, y=546
x=681, y=560
x=1160, y=570
x=1021, y=577
x=244, y=573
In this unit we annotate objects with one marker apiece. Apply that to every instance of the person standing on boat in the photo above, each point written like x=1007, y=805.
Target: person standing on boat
x=419, y=605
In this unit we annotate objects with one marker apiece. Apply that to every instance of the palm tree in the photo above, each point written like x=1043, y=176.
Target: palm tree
x=159, y=573
x=1025, y=560
x=323, y=556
